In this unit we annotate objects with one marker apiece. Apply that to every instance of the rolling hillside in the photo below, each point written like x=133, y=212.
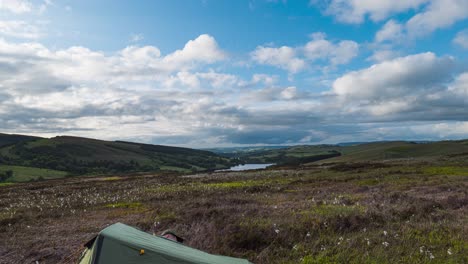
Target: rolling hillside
x=359, y=152
x=400, y=150
x=287, y=155
x=6, y=139
x=76, y=156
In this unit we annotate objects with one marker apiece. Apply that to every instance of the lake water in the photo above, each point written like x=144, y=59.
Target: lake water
x=248, y=167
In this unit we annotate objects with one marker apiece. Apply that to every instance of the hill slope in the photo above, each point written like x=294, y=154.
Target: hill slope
x=399, y=150
x=78, y=156
x=7, y=139
x=361, y=152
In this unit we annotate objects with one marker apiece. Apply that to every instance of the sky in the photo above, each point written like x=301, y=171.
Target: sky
x=219, y=73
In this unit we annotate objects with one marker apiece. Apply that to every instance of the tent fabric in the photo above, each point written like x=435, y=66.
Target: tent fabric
x=120, y=243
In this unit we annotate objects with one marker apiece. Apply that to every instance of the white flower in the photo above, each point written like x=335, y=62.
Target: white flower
x=322, y=247
x=385, y=243
x=385, y=233
x=421, y=249
x=431, y=256
x=308, y=234
x=449, y=251
x=277, y=231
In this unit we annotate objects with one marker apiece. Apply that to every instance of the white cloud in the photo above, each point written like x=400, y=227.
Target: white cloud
x=295, y=59
x=460, y=86
x=396, y=78
x=355, y=11
x=339, y=53
x=16, y=6
x=318, y=47
x=438, y=14
x=391, y=31
x=383, y=55
x=289, y=93
x=420, y=87
x=283, y=57
x=266, y=79
x=430, y=15
x=461, y=39
x=203, y=49
x=19, y=29
x=344, y=52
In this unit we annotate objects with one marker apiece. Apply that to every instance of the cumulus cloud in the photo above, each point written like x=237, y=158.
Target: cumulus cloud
x=183, y=98
x=355, y=11
x=266, y=79
x=419, y=87
x=430, y=15
x=395, y=78
x=76, y=84
x=438, y=14
x=461, y=39
x=283, y=57
x=295, y=59
x=391, y=31
x=340, y=53
x=202, y=49
x=382, y=55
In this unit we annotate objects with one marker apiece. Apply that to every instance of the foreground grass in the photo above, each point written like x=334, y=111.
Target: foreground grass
x=344, y=213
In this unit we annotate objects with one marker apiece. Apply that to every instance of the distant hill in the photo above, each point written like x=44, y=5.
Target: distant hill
x=400, y=150
x=7, y=139
x=77, y=156
x=289, y=155
x=355, y=152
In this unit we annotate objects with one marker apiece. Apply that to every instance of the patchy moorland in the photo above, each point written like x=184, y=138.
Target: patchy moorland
x=380, y=211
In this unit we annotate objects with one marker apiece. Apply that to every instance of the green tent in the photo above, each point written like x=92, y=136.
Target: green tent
x=120, y=243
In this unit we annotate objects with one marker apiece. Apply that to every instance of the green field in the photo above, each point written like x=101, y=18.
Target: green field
x=23, y=174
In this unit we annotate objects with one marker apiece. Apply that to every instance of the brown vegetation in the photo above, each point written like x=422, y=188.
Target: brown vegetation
x=344, y=213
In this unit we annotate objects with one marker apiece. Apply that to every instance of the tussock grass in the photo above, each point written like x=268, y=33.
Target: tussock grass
x=351, y=213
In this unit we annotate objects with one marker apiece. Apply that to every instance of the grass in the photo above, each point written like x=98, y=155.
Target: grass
x=131, y=205
x=23, y=174
x=447, y=170
x=114, y=178
x=399, y=212
x=5, y=184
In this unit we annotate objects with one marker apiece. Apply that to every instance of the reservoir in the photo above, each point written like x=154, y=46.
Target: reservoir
x=248, y=167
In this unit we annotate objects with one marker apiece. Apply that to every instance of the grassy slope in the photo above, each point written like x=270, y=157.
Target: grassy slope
x=286, y=155
x=358, y=153
x=23, y=174
x=399, y=150
x=85, y=156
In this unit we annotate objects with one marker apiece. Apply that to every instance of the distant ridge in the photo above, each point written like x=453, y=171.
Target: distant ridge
x=78, y=156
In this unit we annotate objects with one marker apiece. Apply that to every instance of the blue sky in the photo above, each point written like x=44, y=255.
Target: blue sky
x=226, y=73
